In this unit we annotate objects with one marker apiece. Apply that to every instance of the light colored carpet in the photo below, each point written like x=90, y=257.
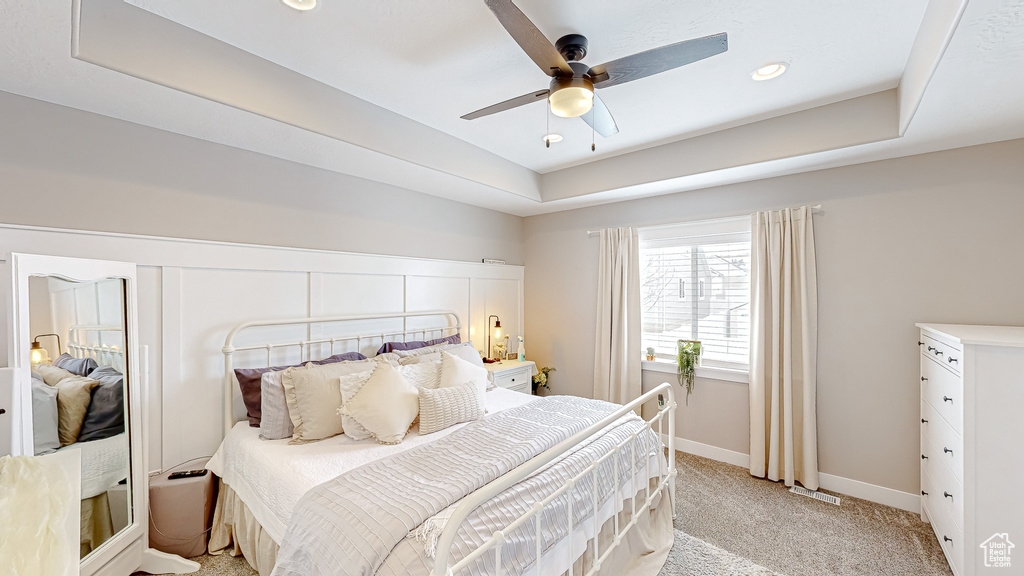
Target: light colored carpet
x=799, y=536
x=694, y=557
x=729, y=524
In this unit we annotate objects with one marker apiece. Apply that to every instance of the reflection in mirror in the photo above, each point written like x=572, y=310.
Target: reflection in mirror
x=79, y=393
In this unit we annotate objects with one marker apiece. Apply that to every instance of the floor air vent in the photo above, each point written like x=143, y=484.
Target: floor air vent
x=814, y=494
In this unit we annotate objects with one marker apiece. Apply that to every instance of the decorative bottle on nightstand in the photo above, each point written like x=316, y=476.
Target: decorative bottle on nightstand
x=522, y=349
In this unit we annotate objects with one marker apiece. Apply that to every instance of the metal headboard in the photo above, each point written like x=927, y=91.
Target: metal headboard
x=305, y=346
x=109, y=355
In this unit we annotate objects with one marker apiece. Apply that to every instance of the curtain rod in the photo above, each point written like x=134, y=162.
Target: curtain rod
x=816, y=209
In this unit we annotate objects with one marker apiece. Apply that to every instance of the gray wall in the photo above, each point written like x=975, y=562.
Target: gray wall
x=929, y=238
x=66, y=168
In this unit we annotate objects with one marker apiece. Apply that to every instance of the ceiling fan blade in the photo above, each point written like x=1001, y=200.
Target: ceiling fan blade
x=600, y=119
x=658, y=60
x=529, y=38
x=508, y=104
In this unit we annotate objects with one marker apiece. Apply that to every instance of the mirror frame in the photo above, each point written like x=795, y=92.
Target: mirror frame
x=23, y=266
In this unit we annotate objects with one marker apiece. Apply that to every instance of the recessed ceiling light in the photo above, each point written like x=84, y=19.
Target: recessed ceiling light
x=552, y=137
x=769, y=71
x=300, y=4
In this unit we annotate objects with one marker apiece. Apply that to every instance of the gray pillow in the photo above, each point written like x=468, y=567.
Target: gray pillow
x=275, y=422
x=105, y=416
x=77, y=366
x=44, y=418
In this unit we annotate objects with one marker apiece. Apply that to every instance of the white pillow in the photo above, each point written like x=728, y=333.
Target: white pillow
x=449, y=406
x=313, y=398
x=422, y=374
x=388, y=357
x=275, y=423
x=455, y=371
x=350, y=385
x=424, y=350
x=386, y=405
x=464, y=351
x=44, y=418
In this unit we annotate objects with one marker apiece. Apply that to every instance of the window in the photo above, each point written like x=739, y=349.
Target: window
x=713, y=257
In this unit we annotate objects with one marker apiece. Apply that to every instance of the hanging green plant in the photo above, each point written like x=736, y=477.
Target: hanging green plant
x=687, y=360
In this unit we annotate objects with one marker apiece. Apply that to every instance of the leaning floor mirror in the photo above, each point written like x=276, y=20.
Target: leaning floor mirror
x=72, y=340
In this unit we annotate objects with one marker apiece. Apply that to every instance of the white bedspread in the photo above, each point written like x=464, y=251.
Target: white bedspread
x=270, y=476
x=104, y=463
x=358, y=523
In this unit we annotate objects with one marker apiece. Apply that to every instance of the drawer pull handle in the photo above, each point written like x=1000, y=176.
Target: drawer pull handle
x=947, y=539
x=920, y=343
x=923, y=457
x=938, y=352
x=923, y=493
x=2, y=411
x=947, y=450
x=930, y=348
x=923, y=421
x=947, y=399
x=951, y=360
x=923, y=379
x=947, y=495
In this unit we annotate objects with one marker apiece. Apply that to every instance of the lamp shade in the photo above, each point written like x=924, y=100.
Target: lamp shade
x=38, y=354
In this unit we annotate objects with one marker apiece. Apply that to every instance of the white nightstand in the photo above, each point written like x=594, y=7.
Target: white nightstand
x=513, y=374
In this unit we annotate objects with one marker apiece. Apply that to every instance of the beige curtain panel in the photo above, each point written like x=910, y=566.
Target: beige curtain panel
x=618, y=349
x=783, y=348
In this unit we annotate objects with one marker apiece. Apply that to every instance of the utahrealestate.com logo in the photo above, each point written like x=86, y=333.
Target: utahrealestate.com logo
x=997, y=550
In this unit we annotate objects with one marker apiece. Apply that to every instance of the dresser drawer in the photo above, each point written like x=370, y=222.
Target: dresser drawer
x=947, y=443
x=519, y=379
x=949, y=536
x=946, y=354
x=943, y=389
x=948, y=493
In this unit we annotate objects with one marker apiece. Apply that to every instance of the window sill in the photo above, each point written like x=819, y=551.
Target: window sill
x=740, y=376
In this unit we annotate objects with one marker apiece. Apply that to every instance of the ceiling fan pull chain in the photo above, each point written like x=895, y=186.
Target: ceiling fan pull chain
x=547, y=123
x=593, y=145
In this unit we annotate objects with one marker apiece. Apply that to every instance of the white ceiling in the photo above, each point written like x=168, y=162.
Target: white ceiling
x=465, y=60
x=435, y=61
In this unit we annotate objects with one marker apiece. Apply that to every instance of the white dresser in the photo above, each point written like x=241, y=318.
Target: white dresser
x=513, y=374
x=972, y=444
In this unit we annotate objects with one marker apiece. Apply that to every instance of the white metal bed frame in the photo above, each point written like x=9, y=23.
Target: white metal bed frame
x=664, y=393
x=110, y=355
x=305, y=346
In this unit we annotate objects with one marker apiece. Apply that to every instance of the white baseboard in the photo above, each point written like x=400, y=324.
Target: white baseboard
x=857, y=489
x=873, y=492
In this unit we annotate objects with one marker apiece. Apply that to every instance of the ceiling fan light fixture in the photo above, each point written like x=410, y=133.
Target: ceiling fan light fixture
x=571, y=97
x=302, y=5
x=769, y=71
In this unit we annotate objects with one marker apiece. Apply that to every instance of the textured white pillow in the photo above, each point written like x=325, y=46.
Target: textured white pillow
x=313, y=398
x=386, y=405
x=464, y=351
x=388, y=357
x=425, y=350
x=275, y=423
x=422, y=374
x=449, y=406
x=350, y=385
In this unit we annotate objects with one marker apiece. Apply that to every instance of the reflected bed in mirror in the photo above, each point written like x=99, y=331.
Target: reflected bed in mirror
x=79, y=393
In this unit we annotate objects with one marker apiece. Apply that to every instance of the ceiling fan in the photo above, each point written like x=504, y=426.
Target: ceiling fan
x=571, y=92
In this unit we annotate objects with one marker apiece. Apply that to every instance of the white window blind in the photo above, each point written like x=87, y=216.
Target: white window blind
x=696, y=286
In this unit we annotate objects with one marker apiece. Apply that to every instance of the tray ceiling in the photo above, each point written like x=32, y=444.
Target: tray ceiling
x=375, y=89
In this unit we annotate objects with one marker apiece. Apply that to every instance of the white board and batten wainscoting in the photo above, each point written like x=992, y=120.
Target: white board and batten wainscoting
x=191, y=293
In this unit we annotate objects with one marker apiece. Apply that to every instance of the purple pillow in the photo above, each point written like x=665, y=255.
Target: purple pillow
x=249, y=383
x=77, y=366
x=392, y=346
